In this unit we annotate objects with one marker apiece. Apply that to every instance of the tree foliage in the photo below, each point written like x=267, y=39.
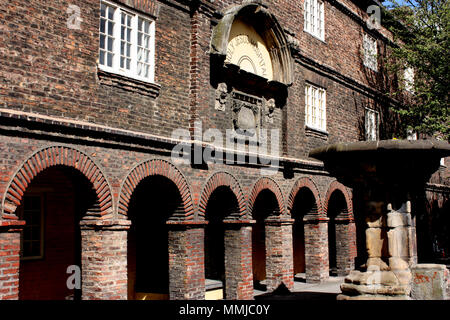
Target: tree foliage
x=421, y=32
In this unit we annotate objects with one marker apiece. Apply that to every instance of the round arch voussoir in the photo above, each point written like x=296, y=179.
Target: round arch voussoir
x=56, y=155
x=156, y=167
x=265, y=183
x=305, y=182
x=337, y=186
x=220, y=179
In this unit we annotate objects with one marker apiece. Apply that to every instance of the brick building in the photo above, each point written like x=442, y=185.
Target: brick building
x=96, y=96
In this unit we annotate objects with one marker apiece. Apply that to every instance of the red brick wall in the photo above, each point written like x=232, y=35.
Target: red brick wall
x=9, y=264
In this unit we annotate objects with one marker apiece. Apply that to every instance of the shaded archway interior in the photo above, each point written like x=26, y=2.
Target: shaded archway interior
x=265, y=206
x=52, y=206
x=222, y=204
x=336, y=207
x=154, y=201
x=304, y=204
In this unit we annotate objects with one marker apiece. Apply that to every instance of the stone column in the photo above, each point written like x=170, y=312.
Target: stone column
x=186, y=260
x=345, y=245
x=238, y=260
x=10, y=258
x=398, y=223
x=104, y=259
x=376, y=240
x=316, y=248
x=279, y=253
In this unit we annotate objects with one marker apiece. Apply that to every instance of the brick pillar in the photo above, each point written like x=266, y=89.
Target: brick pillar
x=238, y=260
x=316, y=248
x=9, y=259
x=345, y=245
x=186, y=260
x=104, y=259
x=279, y=253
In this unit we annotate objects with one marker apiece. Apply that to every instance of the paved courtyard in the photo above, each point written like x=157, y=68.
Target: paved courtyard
x=305, y=291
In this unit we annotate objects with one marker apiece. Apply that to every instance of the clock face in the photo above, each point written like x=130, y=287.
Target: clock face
x=247, y=50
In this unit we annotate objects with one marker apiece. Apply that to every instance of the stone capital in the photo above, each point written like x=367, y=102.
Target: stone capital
x=315, y=219
x=11, y=225
x=111, y=225
x=277, y=221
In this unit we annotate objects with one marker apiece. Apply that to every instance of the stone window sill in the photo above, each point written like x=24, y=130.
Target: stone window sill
x=314, y=132
x=129, y=84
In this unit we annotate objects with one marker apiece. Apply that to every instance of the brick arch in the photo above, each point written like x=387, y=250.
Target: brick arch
x=308, y=183
x=57, y=155
x=337, y=186
x=269, y=184
x=220, y=179
x=156, y=167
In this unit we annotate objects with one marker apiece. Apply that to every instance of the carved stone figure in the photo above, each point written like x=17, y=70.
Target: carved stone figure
x=221, y=96
x=270, y=105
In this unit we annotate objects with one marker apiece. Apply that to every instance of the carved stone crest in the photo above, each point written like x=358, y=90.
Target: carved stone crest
x=246, y=114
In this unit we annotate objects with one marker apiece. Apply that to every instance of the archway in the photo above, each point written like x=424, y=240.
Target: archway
x=52, y=206
x=222, y=204
x=304, y=204
x=337, y=207
x=265, y=206
x=154, y=201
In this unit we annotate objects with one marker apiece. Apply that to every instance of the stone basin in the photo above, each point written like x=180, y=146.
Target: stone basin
x=385, y=175
x=383, y=161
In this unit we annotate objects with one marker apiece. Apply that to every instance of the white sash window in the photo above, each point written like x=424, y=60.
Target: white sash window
x=127, y=42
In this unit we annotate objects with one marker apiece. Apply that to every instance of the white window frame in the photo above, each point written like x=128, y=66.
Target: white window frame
x=133, y=72
x=314, y=16
x=315, y=107
x=372, y=132
x=370, y=47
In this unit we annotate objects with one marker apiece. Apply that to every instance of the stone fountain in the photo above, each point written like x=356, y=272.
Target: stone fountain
x=385, y=176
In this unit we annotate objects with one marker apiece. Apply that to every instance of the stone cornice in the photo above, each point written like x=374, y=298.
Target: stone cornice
x=68, y=129
x=338, y=77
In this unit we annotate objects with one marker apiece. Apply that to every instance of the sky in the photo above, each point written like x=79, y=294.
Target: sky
x=401, y=2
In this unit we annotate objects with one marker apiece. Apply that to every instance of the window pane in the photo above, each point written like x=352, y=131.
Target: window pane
x=109, y=60
x=102, y=57
x=102, y=26
x=102, y=41
x=110, y=44
x=102, y=10
x=35, y=249
x=110, y=13
x=110, y=28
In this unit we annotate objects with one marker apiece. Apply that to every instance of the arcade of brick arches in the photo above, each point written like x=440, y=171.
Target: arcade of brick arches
x=217, y=239
x=85, y=219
